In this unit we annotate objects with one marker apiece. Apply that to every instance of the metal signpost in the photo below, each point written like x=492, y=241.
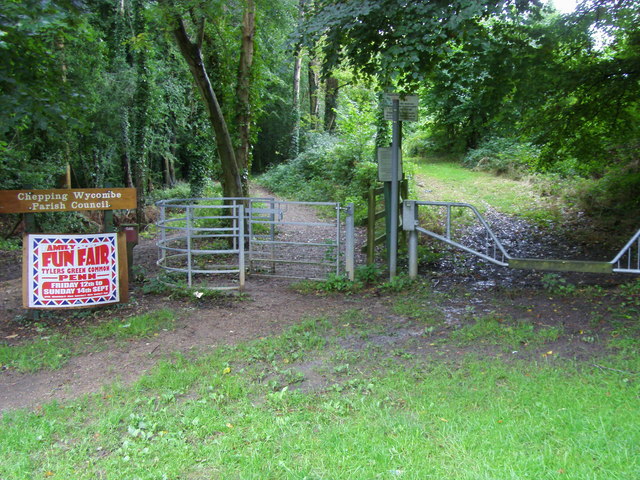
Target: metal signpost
x=395, y=149
x=397, y=108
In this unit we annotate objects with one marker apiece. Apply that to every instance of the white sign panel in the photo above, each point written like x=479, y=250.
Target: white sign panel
x=408, y=105
x=71, y=270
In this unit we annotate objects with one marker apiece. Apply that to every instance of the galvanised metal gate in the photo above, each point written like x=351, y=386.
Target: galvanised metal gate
x=626, y=261
x=214, y=242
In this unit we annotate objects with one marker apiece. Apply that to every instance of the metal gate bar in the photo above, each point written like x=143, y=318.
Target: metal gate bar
x=193, y=234
x=626, y=261
x=220, y=236
x=631, y=251
x=276, y=249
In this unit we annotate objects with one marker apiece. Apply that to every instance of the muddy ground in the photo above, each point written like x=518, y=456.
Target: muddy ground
x=463, y=286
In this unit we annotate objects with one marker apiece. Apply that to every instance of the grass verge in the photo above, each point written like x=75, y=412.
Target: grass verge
x=243, y=412
x=449, y=181
x=50, y=352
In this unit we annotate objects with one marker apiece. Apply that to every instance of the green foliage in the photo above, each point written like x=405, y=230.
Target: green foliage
x=397, y=284
x=395, y=40
x=557, y=285
x=102, y=87
x=50, y=352
x=10, y=243
x=503, y=156
x=184, y=190
x=138, y=326
x=454, y=183
x=613, y=198
x=66, y=222
x=338, y=167
x=179, y=190
x=368, y=274
x=326, y=170
x=495, y=330
x=333, y=284
x=375, y=411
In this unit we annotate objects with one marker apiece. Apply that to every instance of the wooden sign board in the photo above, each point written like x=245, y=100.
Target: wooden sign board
x=66, y=200
x=74, y=271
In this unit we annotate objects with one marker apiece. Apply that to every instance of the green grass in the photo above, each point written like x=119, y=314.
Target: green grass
x=449, y=181
x=220, y=417
x=494, y=329
x=50, y=352
x=420, y=304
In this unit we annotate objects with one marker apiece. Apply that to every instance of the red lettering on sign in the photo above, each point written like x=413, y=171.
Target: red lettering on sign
x=60, y=258
x=98, y=255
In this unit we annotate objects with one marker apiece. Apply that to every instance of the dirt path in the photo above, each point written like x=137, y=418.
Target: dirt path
x=270, y=306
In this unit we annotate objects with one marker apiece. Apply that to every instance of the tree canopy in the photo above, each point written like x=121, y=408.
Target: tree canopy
x=116, y=89
x=397, y=40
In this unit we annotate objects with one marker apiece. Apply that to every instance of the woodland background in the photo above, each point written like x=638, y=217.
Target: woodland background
x=195, y=94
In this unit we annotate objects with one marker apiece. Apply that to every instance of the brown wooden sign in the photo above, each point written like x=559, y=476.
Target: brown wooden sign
x=66, y=200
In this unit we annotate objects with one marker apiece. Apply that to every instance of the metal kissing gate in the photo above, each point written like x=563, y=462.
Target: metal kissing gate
x=214, y=242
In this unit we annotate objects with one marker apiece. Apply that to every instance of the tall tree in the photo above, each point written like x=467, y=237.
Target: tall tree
x=294, y=149
x=140, y=113
x=314, y=88
x=191, y=51
x=331, y=90
x=243, y=93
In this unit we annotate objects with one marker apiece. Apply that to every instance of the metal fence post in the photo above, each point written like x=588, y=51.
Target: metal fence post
x=371, y=226
x=349, y=245
x=410, y=216
x=241, y=265
x=272, y=233
x=337, y=244
x=189, y=227
x=163, y=232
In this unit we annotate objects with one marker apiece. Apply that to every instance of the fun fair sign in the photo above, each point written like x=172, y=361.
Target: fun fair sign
x=66, y=200
x=64, y=271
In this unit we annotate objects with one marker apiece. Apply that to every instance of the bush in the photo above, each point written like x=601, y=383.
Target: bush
x=328, y=170
x=179, y=190
x=184, y=190
x=419, y=144
x=614, y=196
x=503, y=156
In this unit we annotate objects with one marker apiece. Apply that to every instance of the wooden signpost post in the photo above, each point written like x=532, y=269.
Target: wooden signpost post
x=68, y=270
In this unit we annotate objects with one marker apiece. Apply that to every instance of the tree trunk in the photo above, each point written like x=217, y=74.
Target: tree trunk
x=294, y=148
x=314, y=83
x=168, y=171
x=295, y=106
x=127, y=176
x=231, y=177
x=141, y=99
x=243, y=94
x=330, y=103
